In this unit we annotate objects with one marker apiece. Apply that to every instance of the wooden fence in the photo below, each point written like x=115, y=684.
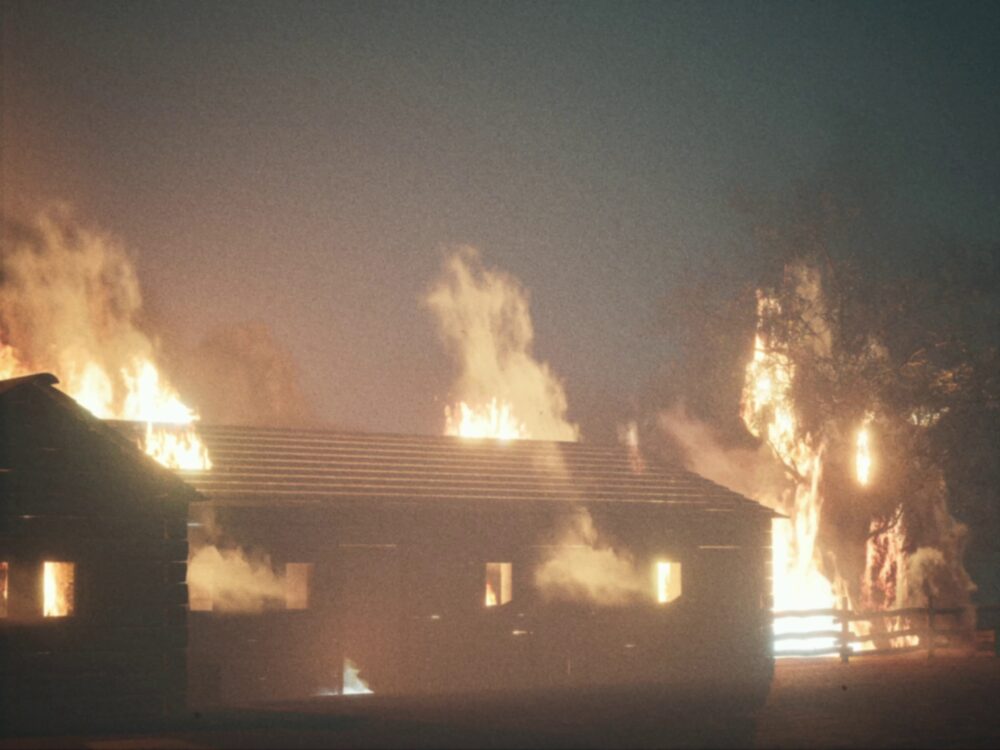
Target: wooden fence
x=971, y=628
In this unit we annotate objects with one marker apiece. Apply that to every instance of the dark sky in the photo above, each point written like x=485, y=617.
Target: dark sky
x=306, y=164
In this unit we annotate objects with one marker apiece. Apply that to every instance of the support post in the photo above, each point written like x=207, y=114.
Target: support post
x=845, y=650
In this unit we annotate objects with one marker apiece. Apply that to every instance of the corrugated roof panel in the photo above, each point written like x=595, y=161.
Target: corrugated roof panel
x=263, y=466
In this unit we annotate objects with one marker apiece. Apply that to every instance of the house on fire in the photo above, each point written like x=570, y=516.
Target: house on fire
x=437, y=564
x=93, y=553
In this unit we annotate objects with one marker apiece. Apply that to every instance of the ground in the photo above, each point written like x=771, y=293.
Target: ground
x=877, y=701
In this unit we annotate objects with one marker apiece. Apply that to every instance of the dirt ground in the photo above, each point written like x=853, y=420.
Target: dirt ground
x=878, y=701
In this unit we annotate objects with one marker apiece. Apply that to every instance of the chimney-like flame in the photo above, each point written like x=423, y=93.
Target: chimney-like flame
x=503, y=391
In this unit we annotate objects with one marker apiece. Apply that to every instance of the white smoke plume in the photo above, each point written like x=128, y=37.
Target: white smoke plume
x=753, y=473
x=583, y=567
x=70, y=303
x=231, y=580
x=484, y=320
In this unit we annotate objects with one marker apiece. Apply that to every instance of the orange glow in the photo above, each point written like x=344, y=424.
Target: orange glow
x=58, y=589
x=498, y=583
x=863, y=457
x=170, y=436
x=176, y=447
x=493, y=420
x=768, y=411
x=668, y=581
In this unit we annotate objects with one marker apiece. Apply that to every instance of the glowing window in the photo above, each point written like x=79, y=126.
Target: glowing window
x=58, y=599
x=668, y=581
x=3, y=588
x=498, y=583
x=297, y=579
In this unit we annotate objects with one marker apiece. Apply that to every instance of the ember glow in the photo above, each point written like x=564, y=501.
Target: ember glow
x=668, y=581
x=493, y=420
x=57, y=589
x=352, y=682
x=491, y=596
x=863, y=457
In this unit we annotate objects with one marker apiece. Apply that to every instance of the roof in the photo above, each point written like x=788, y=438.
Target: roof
x=43, y=384
x=269, y=467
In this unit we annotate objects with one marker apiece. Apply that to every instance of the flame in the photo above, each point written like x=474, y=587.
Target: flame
x=491, y=596
x=170, y=436
x=70, y=303
x=57, y=589
x=768, y=411
x=863, y=457
x=493, y=420
x=885, y=581
x=668, y=583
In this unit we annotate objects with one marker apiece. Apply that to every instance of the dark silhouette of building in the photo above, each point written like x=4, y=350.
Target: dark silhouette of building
x=93, y=555
x=416, y=560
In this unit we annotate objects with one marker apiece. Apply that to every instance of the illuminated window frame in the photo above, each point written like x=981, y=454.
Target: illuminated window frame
x=667, y=577
x=58, y=588
x=499, y=584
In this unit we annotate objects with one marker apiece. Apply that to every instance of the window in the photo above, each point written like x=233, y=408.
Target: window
x=668, y=581
x=4, y=568
x=498, y=583
x=58, y=590
x=297, y=579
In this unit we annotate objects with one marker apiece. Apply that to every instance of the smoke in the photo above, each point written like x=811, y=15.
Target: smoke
x=583, y=567
x=70, y=303
x=240, y=374
x=484, y=321
x=752, y=473
x=231, y=580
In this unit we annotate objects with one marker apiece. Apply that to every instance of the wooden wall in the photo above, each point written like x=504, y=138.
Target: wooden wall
x=399, y=590
x=70, y=493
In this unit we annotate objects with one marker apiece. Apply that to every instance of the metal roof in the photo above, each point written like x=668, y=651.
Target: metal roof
x=269, y=466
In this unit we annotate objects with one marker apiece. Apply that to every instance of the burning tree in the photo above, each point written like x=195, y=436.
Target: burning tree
x=859, y=381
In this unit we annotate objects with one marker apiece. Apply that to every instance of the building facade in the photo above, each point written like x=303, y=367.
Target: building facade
x=93, y=553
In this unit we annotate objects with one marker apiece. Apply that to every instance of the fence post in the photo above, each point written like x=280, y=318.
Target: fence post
x=930, y=625
x=844, y=631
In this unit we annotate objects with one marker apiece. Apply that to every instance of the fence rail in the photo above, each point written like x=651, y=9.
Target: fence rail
x=893, y=631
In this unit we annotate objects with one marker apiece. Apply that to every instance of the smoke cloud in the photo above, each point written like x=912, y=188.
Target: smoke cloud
x=231, y=580
x=485, y=323
x=752, y=473
x=583, y=567
x=241, y=375
x=224, y=576
x=70, y=303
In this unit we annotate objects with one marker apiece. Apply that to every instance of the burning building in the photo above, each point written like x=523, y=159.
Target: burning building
x=93, y=558
x=441, y=564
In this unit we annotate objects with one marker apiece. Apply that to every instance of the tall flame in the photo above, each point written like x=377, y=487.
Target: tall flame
x=768, y=411
x=69, y=304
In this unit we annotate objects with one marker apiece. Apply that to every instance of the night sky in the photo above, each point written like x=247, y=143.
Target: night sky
x=308, y=165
